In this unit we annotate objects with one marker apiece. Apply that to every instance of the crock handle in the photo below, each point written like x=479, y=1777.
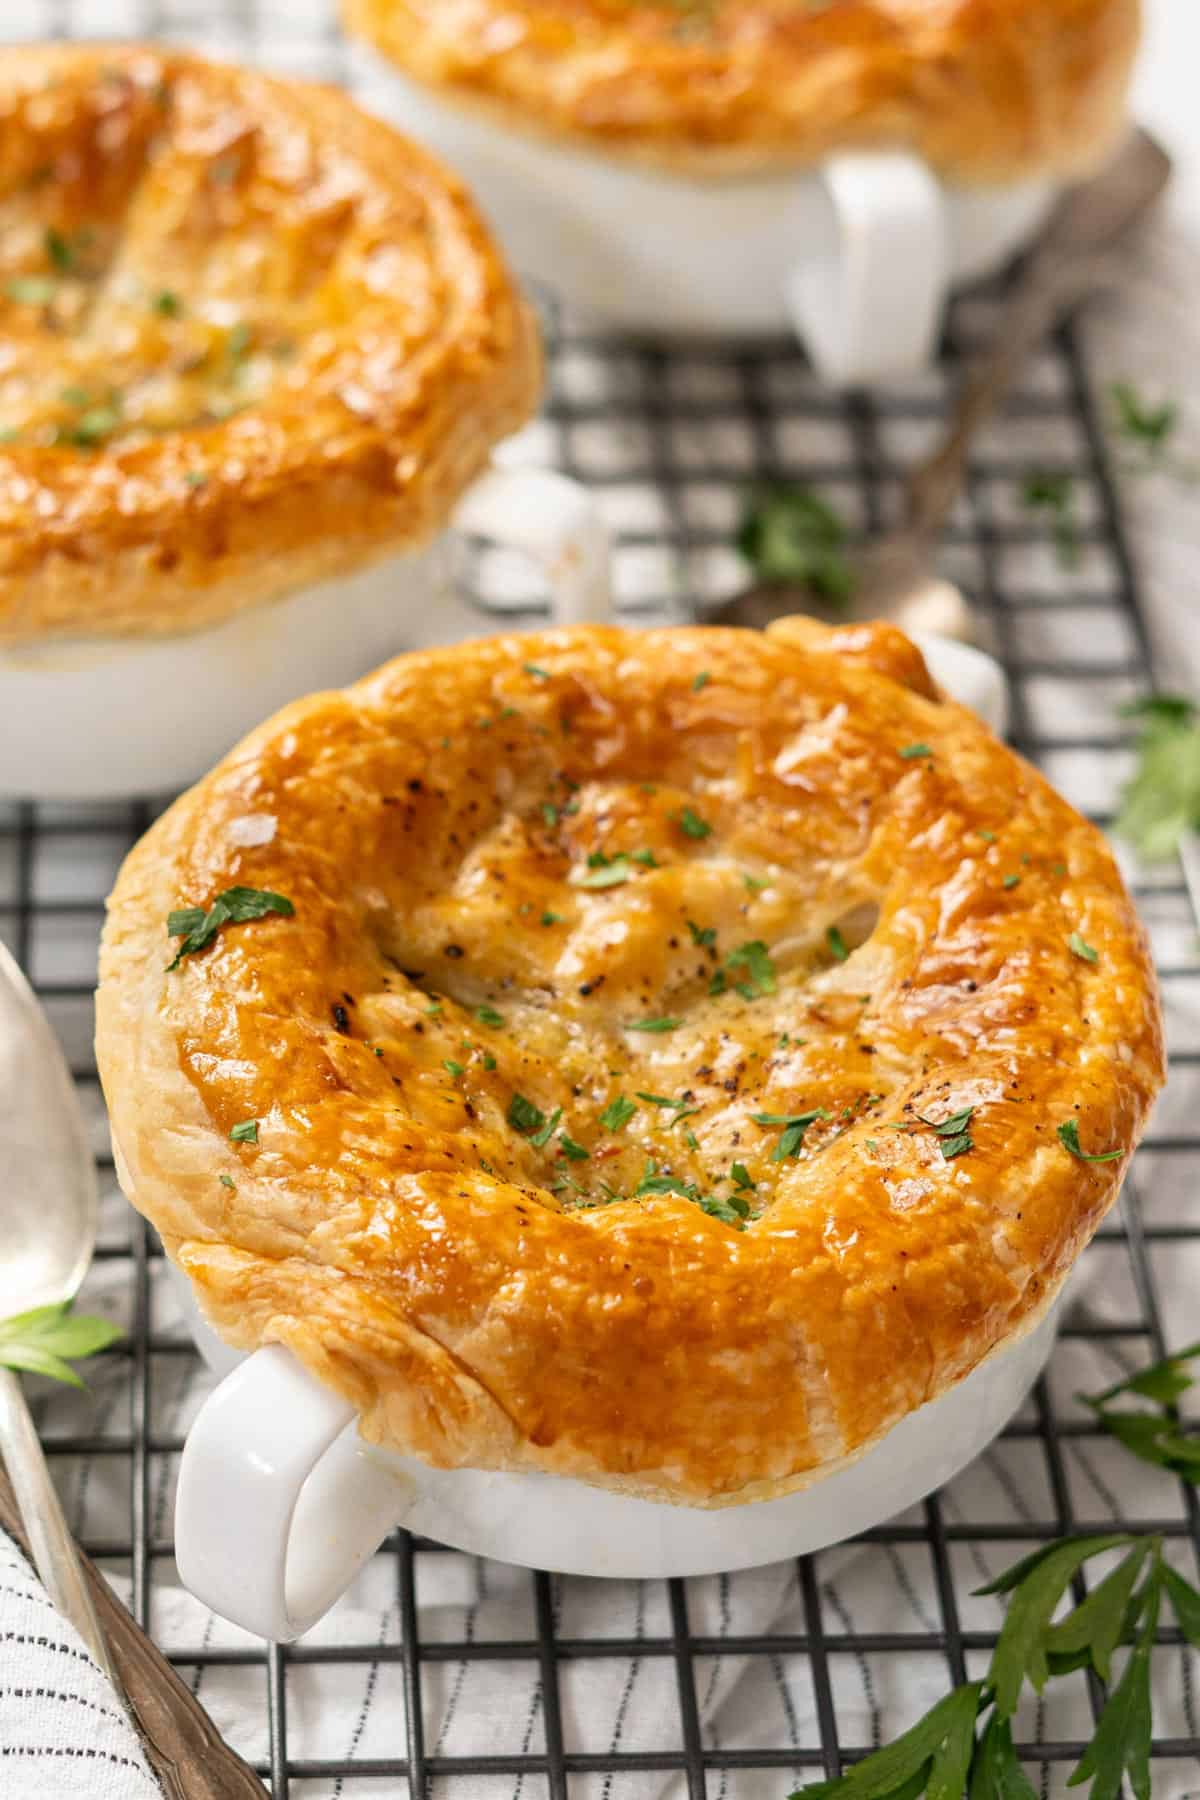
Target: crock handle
x=278, y=1506
x=871, y=308
x=556, y=522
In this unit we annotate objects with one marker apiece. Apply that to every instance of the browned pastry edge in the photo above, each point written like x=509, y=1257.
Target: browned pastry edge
x=987, y=91
x=410, y=353
x=475, y=1294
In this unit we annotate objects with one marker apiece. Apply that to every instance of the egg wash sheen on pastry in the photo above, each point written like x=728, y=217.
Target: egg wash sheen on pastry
x=665, y=1058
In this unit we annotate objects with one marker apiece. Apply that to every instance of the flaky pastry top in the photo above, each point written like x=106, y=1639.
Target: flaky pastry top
x=985, y=90
x=678, y=1065
x=250, y=338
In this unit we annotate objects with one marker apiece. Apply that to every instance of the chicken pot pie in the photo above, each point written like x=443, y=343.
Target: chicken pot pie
x=984, y=90
x=252, y=339
x=663, y=1058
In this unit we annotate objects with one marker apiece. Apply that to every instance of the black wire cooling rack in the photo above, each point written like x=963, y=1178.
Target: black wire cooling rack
x=671, y=439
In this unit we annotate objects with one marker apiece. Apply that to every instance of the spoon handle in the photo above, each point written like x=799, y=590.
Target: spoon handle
x=50, y=1542
x=180, y=1740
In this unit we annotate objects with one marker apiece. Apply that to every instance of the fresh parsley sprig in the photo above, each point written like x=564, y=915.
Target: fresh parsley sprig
x=1155, y=1436
x=1161, y=801
x=789, y=534
x=964, y=1745
x=48, y=1339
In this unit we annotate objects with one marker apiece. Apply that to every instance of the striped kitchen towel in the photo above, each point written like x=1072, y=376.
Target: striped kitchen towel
x=62, y=1734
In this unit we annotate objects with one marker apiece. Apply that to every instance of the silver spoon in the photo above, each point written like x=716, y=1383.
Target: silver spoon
x=1075, y=255
x=48, y=1212
x=48, y=1209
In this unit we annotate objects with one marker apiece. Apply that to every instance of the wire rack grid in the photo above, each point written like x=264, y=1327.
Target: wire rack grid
x=439, y=1675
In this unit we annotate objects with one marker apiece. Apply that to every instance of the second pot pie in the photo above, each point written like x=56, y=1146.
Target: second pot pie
x=984, y=90
x=253, y=339
x=661, y=1058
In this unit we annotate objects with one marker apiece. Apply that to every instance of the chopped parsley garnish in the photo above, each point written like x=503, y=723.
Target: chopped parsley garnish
x=1010, y=881
x=654, y=1183
x=754, y=885
x=551, y=918
x=702, y=680
x=196, y=478
x=836, y=944
x=59, y=250
x=1044, y=491
x=433, y=1009
x=238, y=341
x=703, y=935
x=604, y=871
x=794, y=1127
x=909, y=752
x=755, y=959
x=789, y=534
x=228, y=1182
x=538, y=674
x=489, y=1061
x=989, y=837
x=953, y=1132
x=545, y=1132
x=246, y=1132
x=523, y=1115
x=1068, y=1137
x=617, y=1113
x=31, y=290
x=487, y=1015
x=167, y=304
x=571, y=1149
x=454, y=1068
x=653, y=1025
x=1079, y=947
x=647, y=858
x=692, y=825
x=549, y=815
x=733, y=1211
x=740, y=1177
x=235, y=906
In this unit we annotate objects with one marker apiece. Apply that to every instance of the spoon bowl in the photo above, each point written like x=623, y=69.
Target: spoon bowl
x=48, y=1194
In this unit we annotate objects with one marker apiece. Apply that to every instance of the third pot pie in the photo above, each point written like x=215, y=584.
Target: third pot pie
x=252, y=339
x=664, y=1058
x=984, y=90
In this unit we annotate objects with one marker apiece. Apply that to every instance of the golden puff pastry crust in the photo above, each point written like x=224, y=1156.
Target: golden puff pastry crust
x=251, y=339
x=985, y=90
x=595, y=1079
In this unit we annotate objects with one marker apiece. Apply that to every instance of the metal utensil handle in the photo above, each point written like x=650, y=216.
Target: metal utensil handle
x=52, y=1547
x=181, y=1742
x=1073, y=257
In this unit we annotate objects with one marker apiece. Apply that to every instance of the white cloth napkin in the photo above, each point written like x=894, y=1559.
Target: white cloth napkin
x=62, y=1734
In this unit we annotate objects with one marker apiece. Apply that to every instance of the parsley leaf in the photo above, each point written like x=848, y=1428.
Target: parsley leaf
x=571, y=1149
x=235, y=906
x=1068, y=1137
x=617, y=1113
x=794, y=1127
x=1161, y=801
x=703, y=936
x=910, y=752
x=789, y=534
x=740, y=1177
x=760, y=970
x=1149, y=426
x=693, y=825
x=836, y=944
x=538, y=674
x=1055, y=494
x=487, y=1015
x=1077, y=947
x=546, y=1130
x=1154, y=1437
x=890, y=1771
x=31, y=290
x=46, y=1340
x=245, y=1132
x=702, y=680
x=523, y=1115
x=603, y=871
x=653, y=1025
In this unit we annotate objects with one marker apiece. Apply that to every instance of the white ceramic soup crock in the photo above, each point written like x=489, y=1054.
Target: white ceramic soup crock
x=105, y=718
x=857, y=256
x=280, y=1454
